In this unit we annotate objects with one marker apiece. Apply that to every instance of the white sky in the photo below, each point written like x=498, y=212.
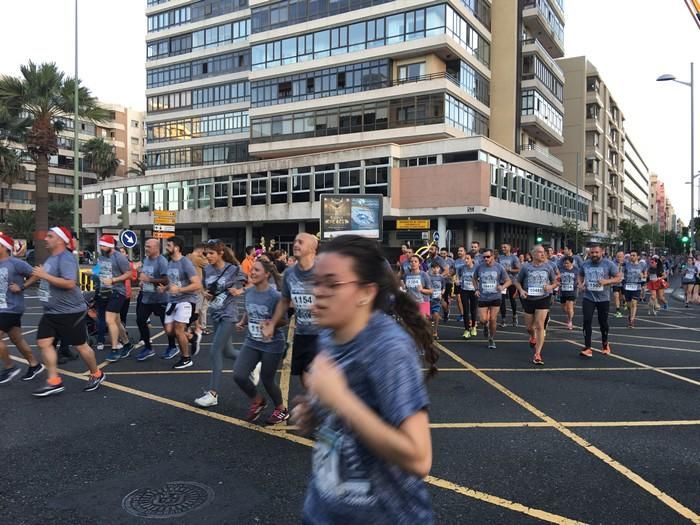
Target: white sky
x=631, y=42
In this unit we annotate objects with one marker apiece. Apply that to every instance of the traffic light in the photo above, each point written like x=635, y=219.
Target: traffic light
x=684, y=235
x=539, y=237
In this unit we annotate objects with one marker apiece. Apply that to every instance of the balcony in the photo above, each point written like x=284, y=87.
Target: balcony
x=539, y=128
x=541, y=20
x=542, y=157
x=532, y=46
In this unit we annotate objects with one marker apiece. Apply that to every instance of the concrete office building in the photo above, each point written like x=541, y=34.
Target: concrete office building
x=657, y=202
x=594, y=142
x=254, y=112
x=636, y=186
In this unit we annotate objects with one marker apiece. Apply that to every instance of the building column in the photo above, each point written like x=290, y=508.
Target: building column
x=302, y=227
x=469, y=234
x=205, y=232
x=249, y=234
x=442, y=230
x=491, y=236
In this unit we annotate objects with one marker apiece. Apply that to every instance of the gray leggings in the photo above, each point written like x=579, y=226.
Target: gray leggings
x=220, y=345
x=247, y=361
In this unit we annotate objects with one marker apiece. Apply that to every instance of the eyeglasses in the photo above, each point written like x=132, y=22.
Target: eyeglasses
x=332, y=285
x=487, y=256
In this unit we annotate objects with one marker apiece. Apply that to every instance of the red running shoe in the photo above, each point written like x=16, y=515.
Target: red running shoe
x=587, y=352
x=255, y=409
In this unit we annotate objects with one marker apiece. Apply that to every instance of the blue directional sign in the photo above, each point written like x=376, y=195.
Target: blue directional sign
x=128, y=238
x=436, y=237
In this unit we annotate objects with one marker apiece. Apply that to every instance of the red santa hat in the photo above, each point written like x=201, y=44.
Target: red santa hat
x=64, y=234
x=7, y=241
x=107, y=241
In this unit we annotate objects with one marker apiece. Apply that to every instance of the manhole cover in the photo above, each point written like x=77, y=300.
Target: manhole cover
x=171, y=501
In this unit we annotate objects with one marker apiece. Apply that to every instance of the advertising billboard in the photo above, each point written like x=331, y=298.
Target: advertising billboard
x=350, y=213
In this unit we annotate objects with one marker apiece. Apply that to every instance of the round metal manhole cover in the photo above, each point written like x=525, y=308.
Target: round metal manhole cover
x=175, y=499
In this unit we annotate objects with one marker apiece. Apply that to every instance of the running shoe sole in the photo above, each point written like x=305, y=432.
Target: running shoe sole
x=168, y=356
x=11, y=375
x=144, y=357
x=36, y=373
x=186, y=364
x=96, y=384
x=51, y=392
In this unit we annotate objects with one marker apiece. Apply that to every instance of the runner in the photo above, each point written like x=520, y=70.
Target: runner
x=260, y=303
x=153, y=272
x=634, y=277
x=567, y=289
x=568, y=251
x=468, y=297
x=199, y=318
x=595, y=277
x=459, y=262
x=535, y=283
x=476, y=253
x=437, y=284
x=511, y=264
x=417, y=283
x=13, y=272
x=224, y=281
x=448, y=285
x=618, y=291
x=490, y=279
x=690, y=277
x=373, y=445
x=64, y=311
x=655, y=285
x=114, y=272
x=182, y=287
x=297, y=291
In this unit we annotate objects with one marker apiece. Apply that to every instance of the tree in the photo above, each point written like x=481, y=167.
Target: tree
x=41, y=95
x=100, y=158
x=61, y=211
x=631, y=234
x=11, y=171
x=21, y=224
x=140, y=169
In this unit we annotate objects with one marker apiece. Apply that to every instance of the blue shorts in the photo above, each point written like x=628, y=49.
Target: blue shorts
x=435, y=308
x=632, y=295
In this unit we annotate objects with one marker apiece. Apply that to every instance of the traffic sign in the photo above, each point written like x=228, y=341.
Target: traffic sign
x=128, y=238
x=413, y=224
x=163, y=228
x=163, y=235
x=164, y=213
x=436, y=236
x=164, y=217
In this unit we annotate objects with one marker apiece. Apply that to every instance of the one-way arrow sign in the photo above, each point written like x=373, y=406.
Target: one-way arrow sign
x=128, y=238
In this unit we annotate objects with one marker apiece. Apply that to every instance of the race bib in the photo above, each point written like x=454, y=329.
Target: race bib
x=437, y=293
x=302, y=305
x=218, y=301
x=632, y=287
x=105, y=273
x=567, y=287
x=148, y=287
x=255, y=331
x=488, y=286
x=689, y=276
x=595, y=286
x=535, y=291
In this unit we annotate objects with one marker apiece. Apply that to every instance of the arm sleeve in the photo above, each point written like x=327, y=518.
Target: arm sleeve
x=285, y=291
x=22, y=268
x=123, y=264
x=68, y=268
x=189, y=268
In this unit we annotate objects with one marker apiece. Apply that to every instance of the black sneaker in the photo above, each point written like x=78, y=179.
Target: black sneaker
x=515, y=320
x=33, y=371
x=195, y=343
x=184, y=362
x=8, y=374
x=49, y=390
x=94, y=382
x=126, y=350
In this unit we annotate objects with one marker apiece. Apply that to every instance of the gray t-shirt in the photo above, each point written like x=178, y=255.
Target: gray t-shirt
x=297, y=286
x=592, y=274
x=509, y=262
x=217, y=281
x=260, y=306
x=633, y=276
x=155, y=268
x=180, y=274
x=466, y=277
x=60, y=300
x=569, y=281
x=414, y=282
x=437, y=284
x=12, y=271
x=488, y=278
x=349, y=483
x=534, y=277
x=110, y=267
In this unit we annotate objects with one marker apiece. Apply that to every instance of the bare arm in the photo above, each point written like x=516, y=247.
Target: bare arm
x=268, y=329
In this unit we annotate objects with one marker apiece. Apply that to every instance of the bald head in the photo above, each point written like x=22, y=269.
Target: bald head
x=305, y=245
x=152, y=247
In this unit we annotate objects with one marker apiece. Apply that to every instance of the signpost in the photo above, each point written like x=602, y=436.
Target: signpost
x=128, y=239
x=413, y=224
x=163, y=224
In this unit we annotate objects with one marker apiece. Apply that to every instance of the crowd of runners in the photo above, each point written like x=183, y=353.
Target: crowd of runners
x=364, y=394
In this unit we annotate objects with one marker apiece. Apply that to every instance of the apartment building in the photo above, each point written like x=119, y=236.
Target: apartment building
x=636, y=185
x=255, y=111
x=593, y=152
x=657, y=202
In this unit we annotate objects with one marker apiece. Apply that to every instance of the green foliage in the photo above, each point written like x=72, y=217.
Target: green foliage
x=20, y=224
x=100, y=157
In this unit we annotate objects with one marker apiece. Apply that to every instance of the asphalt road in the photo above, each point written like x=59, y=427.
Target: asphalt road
x=610, y=440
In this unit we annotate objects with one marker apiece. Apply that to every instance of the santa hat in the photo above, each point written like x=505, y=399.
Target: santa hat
x=107, y=241
x=64, y=234
x=7, y=241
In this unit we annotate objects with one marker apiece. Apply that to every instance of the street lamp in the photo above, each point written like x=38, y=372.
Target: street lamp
x=665, y=78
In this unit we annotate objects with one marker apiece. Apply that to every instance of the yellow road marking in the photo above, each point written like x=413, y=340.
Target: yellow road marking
x=619, y=467
x=648, y=367
x=281, y=432
x=285, y=378
x=568, y=424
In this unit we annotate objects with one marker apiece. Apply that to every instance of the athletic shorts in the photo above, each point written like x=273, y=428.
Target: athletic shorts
x=567, y=296
x=435, y=308
x=530, y=305
x=70, y=329
x=448, y=291
x=458, y=289
x=178, y=313
x=303, y=352
x=617, y=289
x=490, y=304
x=633, y=295
x=115, y=303
x=10, y=321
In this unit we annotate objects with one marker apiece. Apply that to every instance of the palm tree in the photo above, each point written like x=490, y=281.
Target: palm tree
x=100, y=157
x=11, y=171
x=40, y=95
x=140, y=169
x=21, y=224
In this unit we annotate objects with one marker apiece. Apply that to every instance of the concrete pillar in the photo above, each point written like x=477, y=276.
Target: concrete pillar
x=469, y=234
x=205, y=232
x=302, y=227
x=249, y=234
x=491, y=236
x=442, y=230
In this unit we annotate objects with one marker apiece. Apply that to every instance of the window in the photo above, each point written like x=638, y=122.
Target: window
x=134, y=123
x=194, y=127
x=412, y=71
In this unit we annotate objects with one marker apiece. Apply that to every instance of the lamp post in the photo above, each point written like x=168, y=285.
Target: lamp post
x=666, y=78
x=76, y=147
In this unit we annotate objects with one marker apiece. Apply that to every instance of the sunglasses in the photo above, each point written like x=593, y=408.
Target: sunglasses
x=213, y=241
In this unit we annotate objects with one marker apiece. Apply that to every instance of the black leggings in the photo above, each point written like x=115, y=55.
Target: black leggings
x=246, y=363
x=469, y=304
x=143, y=312
x=513, y=305
x=603, y=310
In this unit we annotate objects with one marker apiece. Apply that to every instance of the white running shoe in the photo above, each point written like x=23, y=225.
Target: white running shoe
x=255, y=374
x=208, y=399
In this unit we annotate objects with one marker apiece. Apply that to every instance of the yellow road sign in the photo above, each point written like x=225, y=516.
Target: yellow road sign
x=413, y=224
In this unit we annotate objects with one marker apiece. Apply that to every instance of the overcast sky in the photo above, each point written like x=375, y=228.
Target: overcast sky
x=631, y=42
